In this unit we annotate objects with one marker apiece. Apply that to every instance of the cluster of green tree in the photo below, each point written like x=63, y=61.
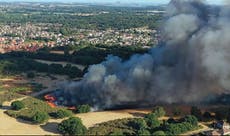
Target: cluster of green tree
x=14, y=65
x=17, y=105
x=40, y=117
x=86, y=55
x=61, y=113
x=185, y=124
x=149, y=125
x=140, y=126
x=101, y=51
x=169, y=127
x=38, y=112
x=83, y=108
x=31, y=109
x=72, y=126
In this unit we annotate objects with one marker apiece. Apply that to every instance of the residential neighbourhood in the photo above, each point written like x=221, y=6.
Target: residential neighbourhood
x=31, y=37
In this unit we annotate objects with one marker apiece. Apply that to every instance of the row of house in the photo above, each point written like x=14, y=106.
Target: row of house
x=31, y=37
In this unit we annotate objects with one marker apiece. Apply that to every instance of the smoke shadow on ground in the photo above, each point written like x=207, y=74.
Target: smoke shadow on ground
x=50, y=127
x=25, y=121
x=5, y=107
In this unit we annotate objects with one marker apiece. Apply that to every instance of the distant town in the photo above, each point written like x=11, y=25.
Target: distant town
x=22, y=29
x=30, y=37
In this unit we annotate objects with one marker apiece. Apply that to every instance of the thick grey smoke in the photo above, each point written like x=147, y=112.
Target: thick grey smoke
x=193, y=64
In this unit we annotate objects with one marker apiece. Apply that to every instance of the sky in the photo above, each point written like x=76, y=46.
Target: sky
x=112, y=1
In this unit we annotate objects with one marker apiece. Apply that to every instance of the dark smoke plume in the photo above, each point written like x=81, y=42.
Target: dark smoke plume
x=192, y=65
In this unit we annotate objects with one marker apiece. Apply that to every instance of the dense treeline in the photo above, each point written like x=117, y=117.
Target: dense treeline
x=87, y=55
x=15, y=62
x=17, y=65
x=149, y=125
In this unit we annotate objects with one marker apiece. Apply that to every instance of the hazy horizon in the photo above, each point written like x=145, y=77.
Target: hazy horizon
x=141, y=2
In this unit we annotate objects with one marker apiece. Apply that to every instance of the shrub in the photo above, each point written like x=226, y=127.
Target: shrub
x=62, y=113
x=152, y=121
x=159, y=133
x=159, y=112
x=17, y=105
x=83, y=108
x=72, y=126
x=189, y=123
x=138, y=124
x=32, y=106
x=40, y=117
x=143, y=132
x=191, y=119
x=173, y=129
